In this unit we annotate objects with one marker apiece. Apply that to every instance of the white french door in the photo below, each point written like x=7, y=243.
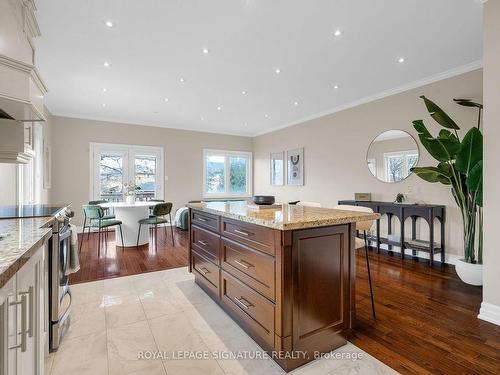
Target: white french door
x=115, y=166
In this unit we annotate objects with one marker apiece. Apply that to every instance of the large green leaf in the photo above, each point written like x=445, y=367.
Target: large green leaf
x=475, y=181
x=468, y=103
x=441, y=149
x=432, y=174
x=439, y=115
x=421, y=129
x=471, y=151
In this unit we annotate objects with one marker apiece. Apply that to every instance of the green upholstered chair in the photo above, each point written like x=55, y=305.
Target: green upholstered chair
x=85, y=218
x=96, y=217
x=153, y=205
x=160, y=211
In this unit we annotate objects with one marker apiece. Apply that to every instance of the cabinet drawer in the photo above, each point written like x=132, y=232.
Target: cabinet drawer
x=206, y=269
x=256, y=236
x=254, y=311
x=205, y=220
x=251, y=266
x=206, y=243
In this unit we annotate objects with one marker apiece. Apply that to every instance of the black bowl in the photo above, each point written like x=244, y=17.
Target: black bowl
x=263, y=199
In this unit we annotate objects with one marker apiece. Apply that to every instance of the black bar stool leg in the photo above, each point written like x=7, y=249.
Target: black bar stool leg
x=171, y=229
x=369, y=274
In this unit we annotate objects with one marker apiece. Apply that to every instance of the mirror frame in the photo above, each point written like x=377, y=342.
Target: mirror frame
x=368, y=151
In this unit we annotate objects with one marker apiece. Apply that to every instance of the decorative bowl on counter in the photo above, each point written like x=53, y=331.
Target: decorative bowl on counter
x=263, y=199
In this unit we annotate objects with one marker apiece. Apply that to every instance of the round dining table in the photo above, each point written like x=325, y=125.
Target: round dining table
x=130, y=214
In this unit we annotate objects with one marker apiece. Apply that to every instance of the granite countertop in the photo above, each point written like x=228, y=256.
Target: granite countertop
x=288, y=217
x=20, y=238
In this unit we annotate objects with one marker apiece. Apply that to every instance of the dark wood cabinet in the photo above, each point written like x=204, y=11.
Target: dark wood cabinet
x=291, y=290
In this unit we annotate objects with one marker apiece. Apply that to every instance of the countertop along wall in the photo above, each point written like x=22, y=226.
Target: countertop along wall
x=183, y=157
x=335, y=148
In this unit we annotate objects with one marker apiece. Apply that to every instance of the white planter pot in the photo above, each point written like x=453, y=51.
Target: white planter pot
x=470, y=273
x=130, y=199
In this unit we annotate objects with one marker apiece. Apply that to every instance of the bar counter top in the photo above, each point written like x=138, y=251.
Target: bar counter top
x=287, y=217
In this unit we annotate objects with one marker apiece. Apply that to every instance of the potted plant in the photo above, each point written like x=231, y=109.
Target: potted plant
x=129, y=191
x=460, y=166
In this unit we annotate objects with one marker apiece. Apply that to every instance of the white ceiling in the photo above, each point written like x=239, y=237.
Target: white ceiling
x=155, y=43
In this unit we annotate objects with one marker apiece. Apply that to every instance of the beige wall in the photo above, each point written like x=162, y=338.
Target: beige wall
x=335, y=149
x=183, y=156
x=491, y=260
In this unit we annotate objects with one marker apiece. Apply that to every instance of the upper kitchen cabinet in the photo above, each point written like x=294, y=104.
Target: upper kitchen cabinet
x=21, y=87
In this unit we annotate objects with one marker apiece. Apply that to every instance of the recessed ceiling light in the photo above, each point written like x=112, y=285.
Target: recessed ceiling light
x=202, y=118
x=337, y=32
x=336, y=87
x=104, y=89
x=219, y=108
x=165, y=100
x=107, y=64
x=182, y=80
x=205, y=50
x=243, y=92
x=277, y=71
x=401, y=60
x=104, y=105
x=295, y=104
x=109, y=24
x=266, y=115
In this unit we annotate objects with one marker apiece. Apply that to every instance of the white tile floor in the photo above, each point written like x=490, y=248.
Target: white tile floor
x=114, y=321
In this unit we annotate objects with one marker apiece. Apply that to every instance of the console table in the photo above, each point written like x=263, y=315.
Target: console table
x=402, y=211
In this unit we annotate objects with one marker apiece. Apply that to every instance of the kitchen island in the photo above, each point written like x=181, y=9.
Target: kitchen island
x=285, y=275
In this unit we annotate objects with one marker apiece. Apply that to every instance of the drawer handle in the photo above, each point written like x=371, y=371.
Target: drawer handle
x=204, y=243
x=204, y=270
x=201, y=219
x=242, y=263
x=242, y=232
x=243, y=302
x=24, y=319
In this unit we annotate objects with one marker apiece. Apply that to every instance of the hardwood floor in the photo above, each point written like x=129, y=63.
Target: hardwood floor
x=426, y=317
x=120, y=261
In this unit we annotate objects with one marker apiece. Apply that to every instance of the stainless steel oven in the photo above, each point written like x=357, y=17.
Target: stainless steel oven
x=59, y=291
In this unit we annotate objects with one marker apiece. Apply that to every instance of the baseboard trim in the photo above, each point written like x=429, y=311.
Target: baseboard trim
x=490, y=313
x=448, y=258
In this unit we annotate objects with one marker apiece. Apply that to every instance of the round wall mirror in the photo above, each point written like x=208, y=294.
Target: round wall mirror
x=391, y=155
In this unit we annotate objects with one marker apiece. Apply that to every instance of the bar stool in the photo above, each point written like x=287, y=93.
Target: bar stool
x=360, y=243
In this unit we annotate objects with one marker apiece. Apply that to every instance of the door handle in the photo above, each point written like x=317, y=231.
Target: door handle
x=31, y=312
x=24, y=330
x=243, y=302
x=243, y=264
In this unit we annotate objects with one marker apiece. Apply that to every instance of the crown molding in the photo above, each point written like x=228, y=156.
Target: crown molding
x=397, y=90
x=25, y=68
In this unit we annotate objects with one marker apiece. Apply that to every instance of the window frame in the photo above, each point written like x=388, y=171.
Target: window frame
x=404, y=154
x=227, y=154
x=128, y=152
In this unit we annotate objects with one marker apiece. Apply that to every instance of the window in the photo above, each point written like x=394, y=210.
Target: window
x=227, y=173
x=398, y=164
x=113, y=166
